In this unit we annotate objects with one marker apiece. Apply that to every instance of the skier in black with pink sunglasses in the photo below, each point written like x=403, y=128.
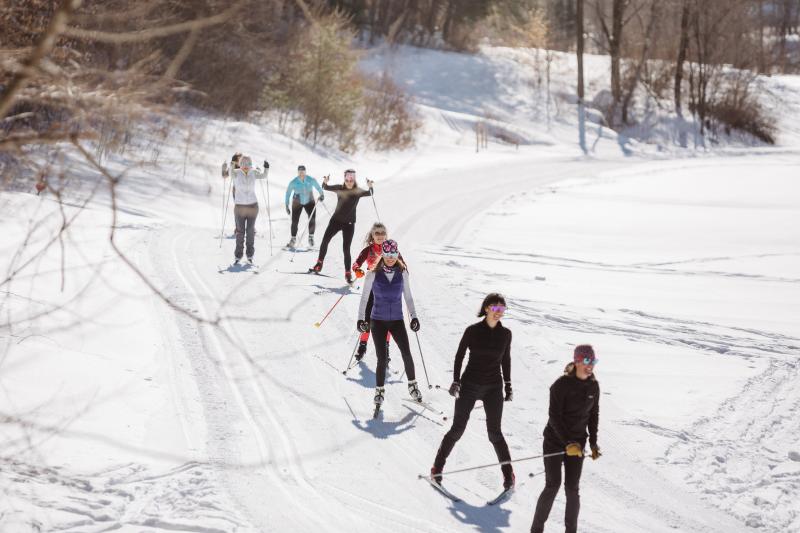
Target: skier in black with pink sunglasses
x=489, y=365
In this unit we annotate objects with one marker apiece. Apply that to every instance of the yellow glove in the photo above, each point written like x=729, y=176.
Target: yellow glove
x=574, y=450
x=596, y=453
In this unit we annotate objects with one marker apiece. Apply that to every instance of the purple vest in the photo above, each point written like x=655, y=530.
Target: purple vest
x=388, y=295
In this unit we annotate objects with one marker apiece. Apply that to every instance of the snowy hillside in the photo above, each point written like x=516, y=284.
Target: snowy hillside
x=188, y=396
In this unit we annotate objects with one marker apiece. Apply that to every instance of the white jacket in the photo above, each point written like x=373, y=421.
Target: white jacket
x=245, y=185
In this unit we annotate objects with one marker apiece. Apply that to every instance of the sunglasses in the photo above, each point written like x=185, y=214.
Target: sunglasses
x=391, y=255
x=589, y=361
x=497, y=308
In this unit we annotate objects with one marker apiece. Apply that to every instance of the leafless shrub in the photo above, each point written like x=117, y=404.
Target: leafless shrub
x=736, y=107
x=387, y=120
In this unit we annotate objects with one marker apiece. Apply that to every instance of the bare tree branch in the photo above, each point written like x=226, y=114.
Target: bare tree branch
x=57, y=25
x=154, y=33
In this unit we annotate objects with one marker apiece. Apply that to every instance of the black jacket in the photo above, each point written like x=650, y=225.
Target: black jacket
x=574, y=407
x=489, y=351
x=347, y=202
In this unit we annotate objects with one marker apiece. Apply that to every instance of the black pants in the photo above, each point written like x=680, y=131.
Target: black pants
x=397, y=328
x=245, y=216
x=492, y=396
x=334, y=227
x=572, y=477
x=297, y=209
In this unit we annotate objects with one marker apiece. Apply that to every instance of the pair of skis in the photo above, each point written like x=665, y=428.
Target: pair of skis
x=500, y=498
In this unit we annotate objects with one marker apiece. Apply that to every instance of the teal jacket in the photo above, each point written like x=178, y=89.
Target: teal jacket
x=302, y=189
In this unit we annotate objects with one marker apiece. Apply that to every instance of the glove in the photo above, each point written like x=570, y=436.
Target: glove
x=414, y=324
x=363, y=326
x=224, y=170
x=359, y=273
x=509, y=393
x=574, y=450
x=288, y=211
x=266, y=164
x=596, y=453
x=455, y=389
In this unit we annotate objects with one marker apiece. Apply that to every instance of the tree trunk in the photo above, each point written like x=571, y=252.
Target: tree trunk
x=682, y=46
x=615, y=50
x=579, y=35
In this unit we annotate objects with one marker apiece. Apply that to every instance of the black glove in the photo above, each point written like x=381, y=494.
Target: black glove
x=509, y=393
x=414, y=324
x=363, y=326
x=266, y=164
x=595, y=453
x=321, y=198
x=288, y=211
x=455, y=389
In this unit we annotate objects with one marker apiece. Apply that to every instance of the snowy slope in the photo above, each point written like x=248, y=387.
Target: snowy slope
x=227, y=410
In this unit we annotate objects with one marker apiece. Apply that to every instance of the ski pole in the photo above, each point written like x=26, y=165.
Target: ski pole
x=420, y=476
x=318, y=324
x=372, y=195
x=350, y=364
x=225, y=210
x=423, y=361
x=269, y=212
x=308, y=225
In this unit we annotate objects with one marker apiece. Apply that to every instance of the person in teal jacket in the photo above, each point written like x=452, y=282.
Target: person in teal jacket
x=301, y=194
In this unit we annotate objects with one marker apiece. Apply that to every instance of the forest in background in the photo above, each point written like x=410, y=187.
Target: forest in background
x=75, y=70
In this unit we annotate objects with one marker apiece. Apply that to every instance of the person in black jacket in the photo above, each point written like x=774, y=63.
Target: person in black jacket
x=489, y=344
x=343, y=218
x=574, y=407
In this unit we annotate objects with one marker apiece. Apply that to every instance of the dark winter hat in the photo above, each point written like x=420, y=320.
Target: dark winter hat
x=493, y=298
x=350, y=170
x=582, y=352
x=390, y=247
x=301, y=167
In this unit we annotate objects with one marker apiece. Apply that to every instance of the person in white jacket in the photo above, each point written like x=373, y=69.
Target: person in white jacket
x=246, y=210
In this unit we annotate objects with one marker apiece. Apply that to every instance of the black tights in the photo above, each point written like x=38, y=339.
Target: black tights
x=297, y=209
x=572, y=477
x=334, y=227
x=397, y=328
x=492, y=396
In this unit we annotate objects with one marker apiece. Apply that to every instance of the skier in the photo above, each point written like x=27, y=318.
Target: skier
x=489, y=344
x=246, y=209
x=574, y=406
x=343, y=218
x=300, y=192
x=370, y=256
x=388, y=282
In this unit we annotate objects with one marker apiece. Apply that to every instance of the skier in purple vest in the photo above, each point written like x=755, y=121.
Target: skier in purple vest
x=388, y=282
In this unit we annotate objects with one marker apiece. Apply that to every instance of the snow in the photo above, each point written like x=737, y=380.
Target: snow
x=227, y=410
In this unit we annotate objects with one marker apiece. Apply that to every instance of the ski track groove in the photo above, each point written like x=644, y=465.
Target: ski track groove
x=267, y=455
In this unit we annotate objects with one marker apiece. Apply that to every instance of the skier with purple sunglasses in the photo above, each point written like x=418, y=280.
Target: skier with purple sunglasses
x=489, y=365
x=388, y=282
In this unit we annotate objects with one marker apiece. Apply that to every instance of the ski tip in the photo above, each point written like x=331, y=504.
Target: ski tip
x=317, y=324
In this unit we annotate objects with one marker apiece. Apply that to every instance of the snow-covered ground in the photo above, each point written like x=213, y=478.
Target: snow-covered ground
x=226, y=409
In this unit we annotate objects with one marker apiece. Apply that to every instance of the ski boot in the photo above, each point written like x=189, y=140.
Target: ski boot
x=362, y=349
x=291, y=242
x=379, y=396
x=509, y=479
x=311, y=240
x=348, y=277
x=436, y=475
x=317, y=268
x=413, y=391
x=250, y=260
x=237, y=261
